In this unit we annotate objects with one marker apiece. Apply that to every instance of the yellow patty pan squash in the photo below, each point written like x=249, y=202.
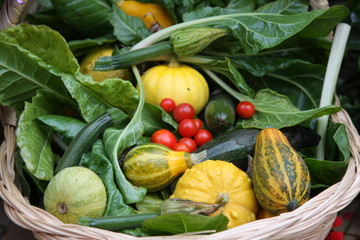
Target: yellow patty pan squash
x=181, y=83
x=88, y=62
x=220, y=182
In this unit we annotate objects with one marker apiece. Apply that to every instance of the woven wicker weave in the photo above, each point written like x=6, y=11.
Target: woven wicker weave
x=313, y=220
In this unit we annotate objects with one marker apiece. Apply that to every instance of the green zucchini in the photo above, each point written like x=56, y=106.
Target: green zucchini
x=235, y=146
x=126, y=59
x=87, y=136
x=117, y=223
x=219, y=114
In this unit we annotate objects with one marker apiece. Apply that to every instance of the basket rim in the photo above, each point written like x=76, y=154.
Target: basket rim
x=321, y=209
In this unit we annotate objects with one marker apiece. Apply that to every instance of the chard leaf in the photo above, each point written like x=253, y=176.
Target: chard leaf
x=97, y=161
x=154, y=118
x=67, y=126
x=45, y=62
x=128, y=29
x=27, y=66
x=277, y=111
x=116, y=140
x=90, y=105
x=287, y=7
x=329, y=172
x=239, y=80
x=301, y=81
x=177, y=223
x=80, y=47
x=117, y=92
x=258, y=31
x=90, y=17
x=35, y=142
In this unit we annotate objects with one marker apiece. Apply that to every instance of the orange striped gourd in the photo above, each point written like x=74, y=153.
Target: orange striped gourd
x=280, y=176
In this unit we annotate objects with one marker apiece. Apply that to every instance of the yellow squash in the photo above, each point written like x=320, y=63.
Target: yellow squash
x=220, y=182
x=150, y=13
x=88, y=63
x=181, y=83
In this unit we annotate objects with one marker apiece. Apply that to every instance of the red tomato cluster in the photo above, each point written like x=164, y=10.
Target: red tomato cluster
x=189, y=128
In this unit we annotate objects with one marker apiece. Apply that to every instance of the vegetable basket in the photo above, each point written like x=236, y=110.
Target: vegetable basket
x=313, y=220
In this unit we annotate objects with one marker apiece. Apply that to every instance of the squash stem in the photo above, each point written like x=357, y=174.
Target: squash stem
x=198, y=157
x=173, y=63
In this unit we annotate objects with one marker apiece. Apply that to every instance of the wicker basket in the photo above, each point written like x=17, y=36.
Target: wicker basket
x=313, y=220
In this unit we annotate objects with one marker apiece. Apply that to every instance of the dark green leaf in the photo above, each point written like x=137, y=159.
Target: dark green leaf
x=35, y=142
x=97, y=161
x=177, y=223
x=27, y=66
x=287, y=7
x=277, y=111
x=80, y=47
x=239, y=80
x=155, y=118
x=328, y=172
x=128, y=29
x=90, y=17
x=67, y=126
x=299, y=80
x=116, y=92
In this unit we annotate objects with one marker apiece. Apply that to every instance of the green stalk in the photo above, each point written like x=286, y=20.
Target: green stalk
x=165, y=33
x=332, y=72
x=228, y=89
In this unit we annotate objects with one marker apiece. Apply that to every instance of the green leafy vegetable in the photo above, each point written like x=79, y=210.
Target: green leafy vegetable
x=90, y=17
x=67, y=126
x=35, y=142
x=177, y=223
x=128, y=29
x=97, y=161
x=330, y=171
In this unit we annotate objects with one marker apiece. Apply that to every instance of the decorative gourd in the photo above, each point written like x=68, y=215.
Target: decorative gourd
x=150, y=13
x=154, y=166
x=181, y=83
x=88, y=63
x=73, y=193
x=280, y=177
x=220, y=182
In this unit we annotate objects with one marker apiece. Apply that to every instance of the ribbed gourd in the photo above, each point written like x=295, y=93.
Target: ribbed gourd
x=280, y=176
x=154, y=166
x=214, y=182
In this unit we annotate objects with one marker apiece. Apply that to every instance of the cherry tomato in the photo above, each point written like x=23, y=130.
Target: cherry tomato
x=199, y=123
x=202, y=136
x=245, y=109
x=183, y=111
x=182, y=147
x=168, y=105
x=187, y=128
x=164, y=137
x=188, y=141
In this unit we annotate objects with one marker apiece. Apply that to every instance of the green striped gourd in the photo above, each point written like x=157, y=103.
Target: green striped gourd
x=154, y=166
x=281, y=179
